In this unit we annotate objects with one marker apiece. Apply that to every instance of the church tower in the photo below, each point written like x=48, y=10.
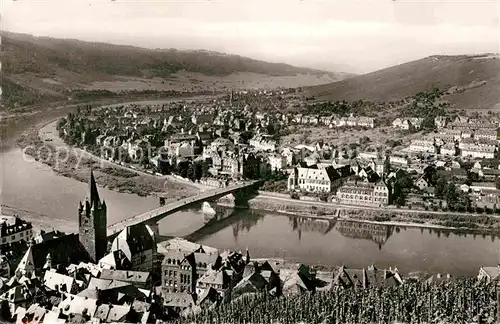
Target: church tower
x=92, y=223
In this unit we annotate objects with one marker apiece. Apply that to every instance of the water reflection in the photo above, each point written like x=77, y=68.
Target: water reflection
x=377, y=233
x=245, y=220
x=238, y=219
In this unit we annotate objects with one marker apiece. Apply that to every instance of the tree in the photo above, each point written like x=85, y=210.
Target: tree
x=430, y=175
x=199, y=168
x=497, y=182
x=145, y=158
x=428, y=123
x=191, y=172
x=401, y=185
x=182, y=168
x=387, y=164
x=441, y=184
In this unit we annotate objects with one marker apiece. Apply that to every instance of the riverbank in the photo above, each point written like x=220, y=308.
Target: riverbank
x=42, y=143
x=40, y=221
x=487, y=224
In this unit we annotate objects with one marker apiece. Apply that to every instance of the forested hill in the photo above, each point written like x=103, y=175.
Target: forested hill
x=45, y=55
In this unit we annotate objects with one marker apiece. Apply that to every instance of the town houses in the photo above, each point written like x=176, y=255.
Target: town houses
x=317, y=178
x=363, y=193
x=249, y=135
x=14, y=229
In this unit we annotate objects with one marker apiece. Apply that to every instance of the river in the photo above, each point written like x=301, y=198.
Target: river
x=34, y=187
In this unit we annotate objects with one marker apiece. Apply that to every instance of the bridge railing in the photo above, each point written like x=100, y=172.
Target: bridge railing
x=164, y=209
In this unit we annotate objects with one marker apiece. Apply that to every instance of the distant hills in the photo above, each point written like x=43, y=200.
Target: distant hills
x=47, y=55
x=43, y=68
x=473, y=82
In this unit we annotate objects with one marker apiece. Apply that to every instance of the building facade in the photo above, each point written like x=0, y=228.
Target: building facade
x=423, y=146
x=18, y=231
x=180, y=271
x=318, y=179
x=363, y=193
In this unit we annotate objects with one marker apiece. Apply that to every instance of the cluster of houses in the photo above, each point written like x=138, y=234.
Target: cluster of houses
x=359, y=181
x=239, y=143
x=333, y=121
x=464, y=137
x=132, y=278
x=212, y=132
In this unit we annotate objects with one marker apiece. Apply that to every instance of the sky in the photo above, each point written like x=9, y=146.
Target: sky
x=340, y=35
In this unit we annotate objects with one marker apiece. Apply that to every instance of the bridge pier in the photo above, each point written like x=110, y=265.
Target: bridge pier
x=155, y=227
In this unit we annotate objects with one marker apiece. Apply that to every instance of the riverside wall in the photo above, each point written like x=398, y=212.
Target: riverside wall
x=276, y=202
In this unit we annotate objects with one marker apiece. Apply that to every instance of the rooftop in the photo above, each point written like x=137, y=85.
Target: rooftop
x=125, y=275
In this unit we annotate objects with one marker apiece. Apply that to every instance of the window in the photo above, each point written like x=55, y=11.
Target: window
x=13, y=237
x=4, y=240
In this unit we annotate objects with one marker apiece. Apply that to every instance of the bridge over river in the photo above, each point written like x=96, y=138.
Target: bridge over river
x=155, y=215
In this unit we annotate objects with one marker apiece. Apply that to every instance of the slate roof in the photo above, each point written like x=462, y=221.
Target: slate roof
x=349, y=278
x=63, y=250
x=15, y=294
x=182, y=300
x=134, y=239
x=72, y=304
x=125, y=275
x=209, y=294
x=493, y=272
x=256, y=280
x=57, y=281
x=213, y=277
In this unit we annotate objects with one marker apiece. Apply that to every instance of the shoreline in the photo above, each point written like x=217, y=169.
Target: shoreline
x=366, y=214
x=133, y=179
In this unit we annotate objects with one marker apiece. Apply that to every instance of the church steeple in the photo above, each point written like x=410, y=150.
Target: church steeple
x=94, y=194
x=93, y=223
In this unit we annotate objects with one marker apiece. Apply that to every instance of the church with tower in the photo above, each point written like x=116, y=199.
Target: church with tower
x=92, y=223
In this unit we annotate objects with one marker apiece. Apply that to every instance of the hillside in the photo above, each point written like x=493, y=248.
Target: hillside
x=473, y=82
x=26, y=53
x=41, y=69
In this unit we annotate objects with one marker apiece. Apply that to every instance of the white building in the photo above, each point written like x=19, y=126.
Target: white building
x=183, y=149
x=416, y=122
x=277, y=162
x=423, y=145
x=448, y=149
x=366, y=122
x=14, y=229
x=440, y=122
x=478, y=152
x=363, y=193
x=398, y=160
x=136, y=244
x=263, y=143
x=486, y=134
x=317, y=179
